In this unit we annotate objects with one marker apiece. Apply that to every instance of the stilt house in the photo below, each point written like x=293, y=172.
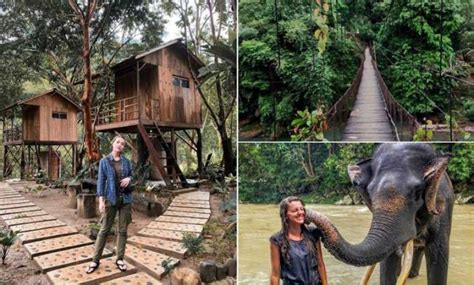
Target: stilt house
x=40, y=132
x=156, y=95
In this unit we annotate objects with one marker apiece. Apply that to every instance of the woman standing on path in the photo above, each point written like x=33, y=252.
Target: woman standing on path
x=296, y=249
x=115, y=195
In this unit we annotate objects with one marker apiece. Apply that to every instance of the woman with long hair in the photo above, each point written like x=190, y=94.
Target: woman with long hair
x=296, y=249
x=114, y=192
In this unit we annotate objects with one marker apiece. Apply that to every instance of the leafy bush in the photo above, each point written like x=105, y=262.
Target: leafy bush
x=7, y=239
x=469, y=110
x=192, y=243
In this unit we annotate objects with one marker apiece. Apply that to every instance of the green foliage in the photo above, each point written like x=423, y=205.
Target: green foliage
x=167, y=265
x=308, y=126
x=469, y=110
x=7, y=239
x=270, y=172
x=281, y=74
x=192, y=243
x=461, y=164
x=424, y=133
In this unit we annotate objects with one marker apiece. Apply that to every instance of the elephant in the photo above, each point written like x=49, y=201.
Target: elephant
x=407, y=189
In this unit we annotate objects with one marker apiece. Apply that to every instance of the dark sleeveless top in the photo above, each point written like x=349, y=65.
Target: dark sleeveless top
x=303, y=267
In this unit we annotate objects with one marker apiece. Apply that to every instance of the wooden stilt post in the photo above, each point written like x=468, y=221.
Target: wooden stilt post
x=74, y=158
x=5, y=161
x=173, y=151
x=23, y=163
x=199, y=152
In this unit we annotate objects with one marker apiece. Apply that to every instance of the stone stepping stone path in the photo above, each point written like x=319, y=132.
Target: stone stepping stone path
x=192, y=210
x=175, y=227
x=189, y=205
x=140, y=278
x=19, y=210
x=76, y=274
x=186, y=214
x=29, y=220
x=56, y=244
x=64, y=254
x=148, y=260
x=13, y=201
x=64, y=258
x=38, y=235
x=172, y=235
x=37, y=226
x=172, y=248
x=12, y=206
x=23, y=215
x=181, y=220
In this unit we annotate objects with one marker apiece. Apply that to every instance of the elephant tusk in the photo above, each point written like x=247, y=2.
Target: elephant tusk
x=406, y=263
x=368, y=274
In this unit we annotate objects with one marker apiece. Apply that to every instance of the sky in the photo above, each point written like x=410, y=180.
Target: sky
x=171, y=30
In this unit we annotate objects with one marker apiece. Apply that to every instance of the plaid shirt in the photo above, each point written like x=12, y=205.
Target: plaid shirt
x=106, y=181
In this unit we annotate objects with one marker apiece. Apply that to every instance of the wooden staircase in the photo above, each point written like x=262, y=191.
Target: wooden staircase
x=170, y=171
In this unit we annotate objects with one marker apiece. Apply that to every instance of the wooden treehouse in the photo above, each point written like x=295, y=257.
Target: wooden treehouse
x=40, y=133
x=156, y=96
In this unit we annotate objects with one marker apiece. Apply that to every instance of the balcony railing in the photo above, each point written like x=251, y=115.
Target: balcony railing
x=12, y=134
x=117, y=111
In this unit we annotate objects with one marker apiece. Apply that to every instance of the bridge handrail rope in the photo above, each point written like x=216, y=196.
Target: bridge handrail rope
x=396, y=112
x=341, y=110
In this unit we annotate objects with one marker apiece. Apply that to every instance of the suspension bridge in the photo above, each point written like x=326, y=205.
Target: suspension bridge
x=367, y=111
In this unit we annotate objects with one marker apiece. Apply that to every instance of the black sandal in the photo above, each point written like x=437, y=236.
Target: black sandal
x=92, y=268
x=122, y=266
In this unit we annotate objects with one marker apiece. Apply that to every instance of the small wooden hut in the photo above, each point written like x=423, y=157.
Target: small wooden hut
x=156, y=95
x=37, y=131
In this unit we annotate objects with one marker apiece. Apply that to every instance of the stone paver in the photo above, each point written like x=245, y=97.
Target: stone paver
x=37, y=226
x=181, y=220
x=76, y=274
x=29, y=220
x=12, y=206
x=19, y=210
x=186, y=214
x=147, y=260
x=32, y=236
x=13, y=201
x=201, y=196
x=175, y=227
x=190, y=201
x=64, y=258
x=171, y=248
x=140, y=278
x=156, y=233
x=4, y=196
x=189, y=205
x=192, y=210
x=23, y=215
x=55, y=244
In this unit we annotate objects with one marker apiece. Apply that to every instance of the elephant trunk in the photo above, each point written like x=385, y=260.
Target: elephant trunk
x=384, y=237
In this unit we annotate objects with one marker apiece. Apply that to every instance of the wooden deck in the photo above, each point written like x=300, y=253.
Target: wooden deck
x=368, y=120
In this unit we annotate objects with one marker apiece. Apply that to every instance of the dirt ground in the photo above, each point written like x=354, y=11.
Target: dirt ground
x=19, y=269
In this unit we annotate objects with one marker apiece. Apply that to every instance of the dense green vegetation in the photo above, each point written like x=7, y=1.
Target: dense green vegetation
x=423, y=49
x=318, y=172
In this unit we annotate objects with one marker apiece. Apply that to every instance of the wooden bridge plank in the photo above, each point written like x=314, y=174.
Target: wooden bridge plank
x=368, y=120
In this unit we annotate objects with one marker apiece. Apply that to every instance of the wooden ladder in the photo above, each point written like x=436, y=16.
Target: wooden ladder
x=155, y=157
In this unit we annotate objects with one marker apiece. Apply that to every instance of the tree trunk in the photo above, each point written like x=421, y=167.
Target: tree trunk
x=85, y=17
x=227, y=153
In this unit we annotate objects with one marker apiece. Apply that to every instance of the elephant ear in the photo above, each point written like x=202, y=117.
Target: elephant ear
x=360, y=175
x=433, y=174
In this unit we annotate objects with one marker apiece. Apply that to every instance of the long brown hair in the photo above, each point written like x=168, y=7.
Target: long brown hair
x=310, y=244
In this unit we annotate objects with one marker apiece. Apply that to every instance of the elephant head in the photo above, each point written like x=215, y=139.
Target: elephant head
x=400, y=185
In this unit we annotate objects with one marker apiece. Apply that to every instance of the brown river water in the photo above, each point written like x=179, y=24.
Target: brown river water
x=258, y=222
